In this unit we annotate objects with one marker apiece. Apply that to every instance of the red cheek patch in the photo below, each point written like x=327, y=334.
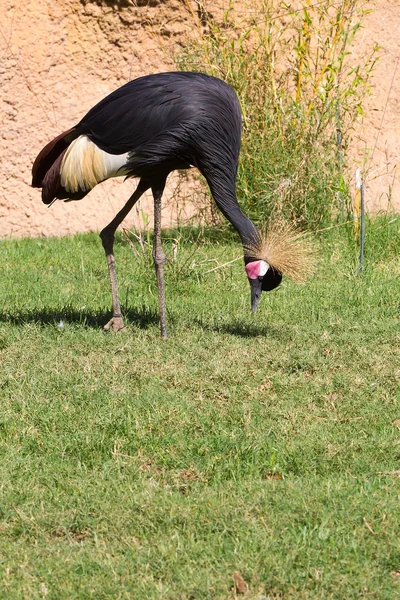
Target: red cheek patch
x=253, y=269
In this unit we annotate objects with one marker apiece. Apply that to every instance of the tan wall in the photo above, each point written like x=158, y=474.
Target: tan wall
x=57, y=59
x=376, y=141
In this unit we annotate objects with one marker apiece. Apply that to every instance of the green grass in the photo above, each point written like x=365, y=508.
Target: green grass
x=134, y=468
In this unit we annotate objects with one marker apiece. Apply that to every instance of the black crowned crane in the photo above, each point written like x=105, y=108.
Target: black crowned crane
x=146, y=129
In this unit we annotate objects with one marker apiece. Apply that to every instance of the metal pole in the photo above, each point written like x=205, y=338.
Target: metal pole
x=362, y=228
x=357, y=205
x=339, y=154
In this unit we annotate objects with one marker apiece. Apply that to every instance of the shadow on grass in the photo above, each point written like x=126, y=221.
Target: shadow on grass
x=142, y=317
x=241, y=328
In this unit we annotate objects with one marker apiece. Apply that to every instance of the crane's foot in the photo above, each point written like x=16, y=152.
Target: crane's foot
x=116, y=324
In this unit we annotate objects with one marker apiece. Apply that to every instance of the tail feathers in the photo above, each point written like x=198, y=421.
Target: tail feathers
x=47, y=166
x=71, y=165
x=49, y=154
x=52, y=187
x=51, y=183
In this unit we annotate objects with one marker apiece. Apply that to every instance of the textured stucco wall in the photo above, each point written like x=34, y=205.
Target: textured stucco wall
x=57, y=59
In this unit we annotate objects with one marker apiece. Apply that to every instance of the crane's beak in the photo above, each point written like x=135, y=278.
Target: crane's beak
x=256, y=289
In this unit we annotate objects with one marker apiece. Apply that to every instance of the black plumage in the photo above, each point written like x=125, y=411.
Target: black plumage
x=162, y=122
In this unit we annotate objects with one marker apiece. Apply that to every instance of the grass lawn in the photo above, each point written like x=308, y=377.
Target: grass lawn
x=137, y=468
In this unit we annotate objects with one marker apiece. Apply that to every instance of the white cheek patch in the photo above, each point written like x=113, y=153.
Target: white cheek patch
x=256, y=269
x=263, y=268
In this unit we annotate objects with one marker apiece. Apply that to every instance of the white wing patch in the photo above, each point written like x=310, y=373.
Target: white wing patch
x=84, y=165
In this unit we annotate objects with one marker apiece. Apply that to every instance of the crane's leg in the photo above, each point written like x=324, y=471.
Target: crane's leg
x=159, y=256
x=107, y=237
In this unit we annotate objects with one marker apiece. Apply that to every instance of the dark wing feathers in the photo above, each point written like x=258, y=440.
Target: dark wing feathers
x=165, y=121
x=146, y=108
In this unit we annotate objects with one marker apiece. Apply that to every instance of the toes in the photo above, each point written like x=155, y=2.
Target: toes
x=116, y=324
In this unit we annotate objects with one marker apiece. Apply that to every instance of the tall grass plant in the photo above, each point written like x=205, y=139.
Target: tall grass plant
x=300, y=95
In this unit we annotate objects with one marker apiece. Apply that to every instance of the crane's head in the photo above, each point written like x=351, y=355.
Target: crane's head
x=280, y=250
x=262, y=278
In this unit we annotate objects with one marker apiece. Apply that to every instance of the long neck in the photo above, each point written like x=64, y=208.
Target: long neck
x=225, y=198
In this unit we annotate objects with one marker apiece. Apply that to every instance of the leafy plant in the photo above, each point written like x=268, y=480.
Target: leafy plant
x=299, y=95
